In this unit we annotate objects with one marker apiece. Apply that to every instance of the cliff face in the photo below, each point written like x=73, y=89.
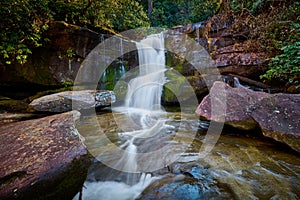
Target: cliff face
x=57, y=61
x=229, y=45
x=231, y=48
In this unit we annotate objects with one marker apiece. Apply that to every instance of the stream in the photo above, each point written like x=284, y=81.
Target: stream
x=241, y=165
x=144, y=152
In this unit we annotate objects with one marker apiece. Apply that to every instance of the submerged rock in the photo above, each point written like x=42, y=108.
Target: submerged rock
x=42, y=158
x=78, y=100
x=277, y=115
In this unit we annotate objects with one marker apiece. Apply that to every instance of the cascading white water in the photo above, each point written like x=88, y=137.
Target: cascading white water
x=142, y=103
x=144, y=96
x=145, y=90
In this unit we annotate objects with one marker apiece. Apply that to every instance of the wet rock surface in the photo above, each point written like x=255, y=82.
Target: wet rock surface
x=42, y=158
x=237, y=168
x=78, y=100
x=192, y=182
x=276, y=114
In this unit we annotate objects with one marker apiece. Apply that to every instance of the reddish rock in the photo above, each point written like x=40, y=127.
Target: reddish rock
x=50, y=65
x=42, y=158
x=238, y=102
x=279, y=118
x=277, y=115
x=237, y=59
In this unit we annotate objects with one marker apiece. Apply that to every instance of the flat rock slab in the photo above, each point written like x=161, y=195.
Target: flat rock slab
x=278, y=115
x=42, y=158
x=76, y=100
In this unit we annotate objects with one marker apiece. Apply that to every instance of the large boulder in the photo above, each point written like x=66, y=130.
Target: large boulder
x=238, y=104
x=68, y=100
x=42, y=158
x=276, y=114
x=279, y=118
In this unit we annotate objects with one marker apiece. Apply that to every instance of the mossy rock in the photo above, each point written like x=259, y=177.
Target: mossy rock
x=11, y=105
x=177, y=88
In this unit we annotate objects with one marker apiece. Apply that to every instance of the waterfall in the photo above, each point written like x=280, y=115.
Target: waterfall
x=145, y=90
x=142, y=108
x=143, y=98
x=237, y=83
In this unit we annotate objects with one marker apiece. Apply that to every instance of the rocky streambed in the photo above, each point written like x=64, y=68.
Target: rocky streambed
x=53, y=154
x=242, y=164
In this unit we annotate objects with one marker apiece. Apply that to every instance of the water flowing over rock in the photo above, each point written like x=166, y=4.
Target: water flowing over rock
x=145, y=90
x=276, y=114
x=42, y=158
x=78, y=100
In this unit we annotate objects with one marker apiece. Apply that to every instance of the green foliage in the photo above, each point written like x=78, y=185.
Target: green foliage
x=284, y=36
x=70, y=53
x=114, y=14
x=253, y=6
x=169, y=13
x=204, y=9
x=21, y=27
x=285, y=66
x=23, y=22
x=67, y=84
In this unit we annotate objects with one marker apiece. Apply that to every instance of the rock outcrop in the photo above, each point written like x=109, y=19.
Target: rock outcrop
x=278, y=115
x=51, y=64
x=232, y=49
x=77, y=100
x=42, y=158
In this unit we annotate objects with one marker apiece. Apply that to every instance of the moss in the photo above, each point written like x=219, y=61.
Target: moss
x=175, y=88
x=120, y=90
x=175, y=62
x=12, y=105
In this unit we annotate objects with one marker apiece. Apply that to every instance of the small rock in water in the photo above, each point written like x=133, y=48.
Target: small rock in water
x=76, y=100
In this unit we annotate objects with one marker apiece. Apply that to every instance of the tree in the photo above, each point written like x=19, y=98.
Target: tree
x=23, y=22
